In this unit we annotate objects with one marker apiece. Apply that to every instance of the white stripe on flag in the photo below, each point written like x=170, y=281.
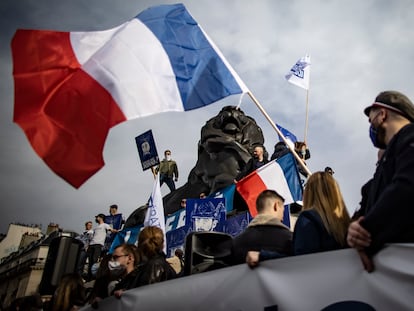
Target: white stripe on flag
x=113, y=56
x=273, y=177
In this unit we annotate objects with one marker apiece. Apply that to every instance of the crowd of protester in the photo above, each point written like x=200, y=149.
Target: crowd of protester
x=323, y=223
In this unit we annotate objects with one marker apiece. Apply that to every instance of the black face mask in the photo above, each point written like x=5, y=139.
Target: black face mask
x=97, y=221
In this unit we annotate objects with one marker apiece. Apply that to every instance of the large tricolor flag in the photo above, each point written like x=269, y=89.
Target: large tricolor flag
x=72, y=87
x=280, y=175
x=299, y=74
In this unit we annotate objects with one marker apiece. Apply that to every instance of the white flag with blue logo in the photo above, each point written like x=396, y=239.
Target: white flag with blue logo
x=155, y=213
x=300, y=72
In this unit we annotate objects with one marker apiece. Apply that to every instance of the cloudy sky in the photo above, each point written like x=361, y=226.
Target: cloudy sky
x=358, y=49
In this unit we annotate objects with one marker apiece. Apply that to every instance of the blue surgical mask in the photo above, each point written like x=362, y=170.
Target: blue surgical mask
x=373, y=135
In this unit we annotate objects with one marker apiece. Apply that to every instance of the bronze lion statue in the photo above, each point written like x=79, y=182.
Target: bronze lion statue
x=226, y=144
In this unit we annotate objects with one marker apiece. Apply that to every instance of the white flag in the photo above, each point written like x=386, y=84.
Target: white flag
x=155, y=212
x=299, y=74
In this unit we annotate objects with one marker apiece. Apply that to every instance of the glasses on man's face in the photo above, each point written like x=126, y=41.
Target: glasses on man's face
x=374, y=118
x=115, y=257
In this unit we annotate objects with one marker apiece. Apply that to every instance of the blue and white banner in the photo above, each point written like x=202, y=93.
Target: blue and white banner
x=155, y=213
x=147, y=150
x=228, y=195
x=329, y=281
x=128, y=235
x=205, y=214
x=175, y=221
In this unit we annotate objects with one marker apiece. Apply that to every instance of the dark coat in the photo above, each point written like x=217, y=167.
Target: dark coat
x=252, y=165
x=155, y=270
x=389, y=211
x=263, y=233
x=310, y=235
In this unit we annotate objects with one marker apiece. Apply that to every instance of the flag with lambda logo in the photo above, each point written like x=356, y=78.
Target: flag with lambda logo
x=299, y=74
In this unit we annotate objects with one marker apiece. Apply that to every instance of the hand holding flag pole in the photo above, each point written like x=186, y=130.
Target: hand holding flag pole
x=300, y=161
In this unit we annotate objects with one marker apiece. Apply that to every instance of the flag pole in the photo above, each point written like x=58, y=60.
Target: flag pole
x=300, y=161
x=306, y=116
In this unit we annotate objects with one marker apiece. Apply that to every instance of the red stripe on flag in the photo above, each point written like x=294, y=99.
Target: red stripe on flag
x=57, y=105
x=249, y=188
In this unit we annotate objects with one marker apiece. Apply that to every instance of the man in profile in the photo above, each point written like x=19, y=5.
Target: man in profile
x=388, y=215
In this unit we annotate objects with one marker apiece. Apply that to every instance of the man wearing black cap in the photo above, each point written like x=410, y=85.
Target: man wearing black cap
x=388, y=216
x=98, y=241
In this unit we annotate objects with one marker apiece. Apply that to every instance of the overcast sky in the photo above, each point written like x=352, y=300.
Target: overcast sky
x=358, y=49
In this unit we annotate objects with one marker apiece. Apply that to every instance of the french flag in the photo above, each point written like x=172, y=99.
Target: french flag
x=72, y=87
x=280, y=175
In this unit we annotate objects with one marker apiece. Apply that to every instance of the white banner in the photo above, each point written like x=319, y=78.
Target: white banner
x=333, y=280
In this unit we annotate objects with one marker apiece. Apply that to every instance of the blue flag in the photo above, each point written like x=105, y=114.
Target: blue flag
x=288, y=135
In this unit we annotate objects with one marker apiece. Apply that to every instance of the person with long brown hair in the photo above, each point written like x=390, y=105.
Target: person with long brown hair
x=324, y=221
x=154, y=267
x=70, y=293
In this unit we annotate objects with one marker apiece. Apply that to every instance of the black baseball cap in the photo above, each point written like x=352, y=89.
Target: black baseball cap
x=394, y=101
x=101, y=216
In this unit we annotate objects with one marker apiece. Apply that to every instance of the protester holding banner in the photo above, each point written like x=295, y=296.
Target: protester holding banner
x=266, y=231
x=388, y=215
x=115, y=220
x=168, y=171
x=323, y=223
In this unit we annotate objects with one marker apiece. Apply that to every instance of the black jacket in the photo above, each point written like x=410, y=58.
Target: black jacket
x=389, y=211
x=252, y=165
x=263, y=233
x=155, y=270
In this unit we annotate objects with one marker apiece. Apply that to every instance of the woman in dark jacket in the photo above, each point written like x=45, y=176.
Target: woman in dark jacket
x=323, y=223
x=154, y=267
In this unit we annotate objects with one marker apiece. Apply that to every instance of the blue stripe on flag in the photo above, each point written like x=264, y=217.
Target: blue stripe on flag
x=290, y=170
x=287, y=134
x=202, y=77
